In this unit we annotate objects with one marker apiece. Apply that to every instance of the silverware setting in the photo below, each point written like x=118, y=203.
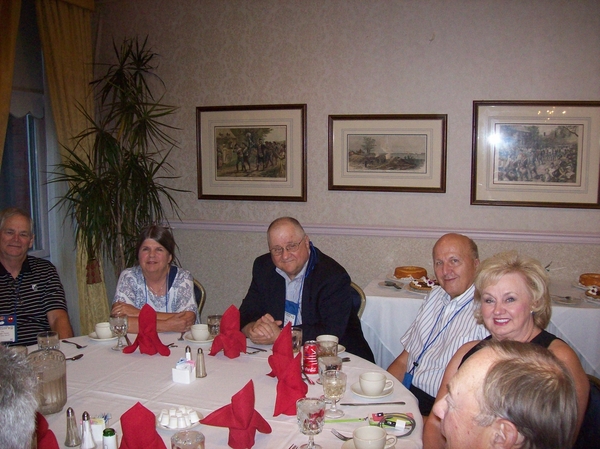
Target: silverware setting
x=374, y=403
x=293, y=446
x=127, y=340
x=75, y=357
x=393, y=284
x=340, y=436
x=181, y=336
x=255, y=350
x=345, y=359
x=78, y=346
x=307, y=379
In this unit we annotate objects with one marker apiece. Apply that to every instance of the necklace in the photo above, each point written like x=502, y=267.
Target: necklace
x=160, y=292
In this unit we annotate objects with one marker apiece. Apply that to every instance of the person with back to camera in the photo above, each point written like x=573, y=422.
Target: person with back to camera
x=155, y=280
x=509, y=395
x=512, y=300
x=30, y=288
x=444, y=322
x=296, y=283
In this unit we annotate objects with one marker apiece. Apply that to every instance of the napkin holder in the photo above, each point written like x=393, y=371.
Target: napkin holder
x=184, y=372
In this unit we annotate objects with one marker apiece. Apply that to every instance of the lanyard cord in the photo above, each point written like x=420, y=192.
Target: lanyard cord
x=166, y=293
x=18, y=293
x=428, y=343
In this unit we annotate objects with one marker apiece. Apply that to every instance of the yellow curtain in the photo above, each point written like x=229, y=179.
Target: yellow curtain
x=65, y=33
x=10, y=11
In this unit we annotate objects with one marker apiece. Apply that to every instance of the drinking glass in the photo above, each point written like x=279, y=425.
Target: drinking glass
x=118, y=325
x=310, y=413
x=214, y=324
x=328, y=363
x=48, y=340
x=296, y=339
x=334, y=386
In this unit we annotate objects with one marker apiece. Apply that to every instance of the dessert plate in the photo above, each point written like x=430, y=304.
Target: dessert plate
x=191, y=426
x=188, y=337
x=94, y=337
x=566, y=302
x=391, y=277
x=350, y=445
x=358, y=391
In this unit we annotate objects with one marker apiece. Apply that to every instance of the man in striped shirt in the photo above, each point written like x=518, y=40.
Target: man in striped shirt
x=32, y=297
x=444, y=323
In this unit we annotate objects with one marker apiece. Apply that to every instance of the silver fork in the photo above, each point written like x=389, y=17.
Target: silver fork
x=293, y=446
x=78, y=346
x=340, y=436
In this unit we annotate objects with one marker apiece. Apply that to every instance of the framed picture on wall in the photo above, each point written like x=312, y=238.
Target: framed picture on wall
x=252, y=152
x=536, y=153
x=388, y=153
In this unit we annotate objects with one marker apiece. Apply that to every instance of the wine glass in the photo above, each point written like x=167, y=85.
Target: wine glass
x=310, y=413
x=118, y=325
x=334, y=386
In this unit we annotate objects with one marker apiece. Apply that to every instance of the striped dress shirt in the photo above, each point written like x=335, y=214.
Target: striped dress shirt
x=440, y=313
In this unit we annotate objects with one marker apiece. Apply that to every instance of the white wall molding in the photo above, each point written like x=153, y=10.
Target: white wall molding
x=385, y=231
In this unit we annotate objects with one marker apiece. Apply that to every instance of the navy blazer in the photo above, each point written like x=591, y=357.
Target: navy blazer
x=329, y=304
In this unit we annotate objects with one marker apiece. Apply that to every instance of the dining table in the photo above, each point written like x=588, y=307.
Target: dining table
x=105, y=382
x=389, y=312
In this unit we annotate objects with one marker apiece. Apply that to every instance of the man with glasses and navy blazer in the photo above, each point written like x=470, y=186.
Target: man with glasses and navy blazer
x=296, y=283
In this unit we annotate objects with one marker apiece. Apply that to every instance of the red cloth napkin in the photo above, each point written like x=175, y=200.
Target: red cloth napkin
x=230, y=339
x=147, y=337
x=290, y=386
x=241, y=419
x=45, y=437
x=139, y=429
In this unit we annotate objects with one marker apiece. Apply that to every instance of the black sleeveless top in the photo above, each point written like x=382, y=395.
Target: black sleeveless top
x=542, y=339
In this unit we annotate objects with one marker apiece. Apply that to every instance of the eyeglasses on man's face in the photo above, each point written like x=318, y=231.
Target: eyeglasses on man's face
x=290, y=248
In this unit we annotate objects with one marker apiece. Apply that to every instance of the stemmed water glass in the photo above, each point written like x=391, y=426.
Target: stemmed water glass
x=310, y=413
x=118, y=325
x=334, y=386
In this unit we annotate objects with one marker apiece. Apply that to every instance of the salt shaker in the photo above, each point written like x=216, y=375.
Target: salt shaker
x=73, y=438
x=200, y=366
x=188, y=353
x=109, y=438
x=87, y=440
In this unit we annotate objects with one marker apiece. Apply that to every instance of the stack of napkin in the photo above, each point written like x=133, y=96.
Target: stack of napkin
x=287, y=369
x=230, y=339
x=139, y=429
x=147, y=337
x=240, y=417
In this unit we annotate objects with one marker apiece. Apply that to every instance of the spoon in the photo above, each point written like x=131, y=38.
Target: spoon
x=75, y=357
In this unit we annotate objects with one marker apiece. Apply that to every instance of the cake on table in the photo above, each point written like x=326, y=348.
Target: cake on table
x=410, y=271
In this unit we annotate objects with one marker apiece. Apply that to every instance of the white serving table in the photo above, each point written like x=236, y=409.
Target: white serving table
x=389, y=312
x=107, y=381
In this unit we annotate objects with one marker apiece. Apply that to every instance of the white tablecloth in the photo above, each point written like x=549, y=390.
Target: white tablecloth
x=389, y=312
x=107, y=381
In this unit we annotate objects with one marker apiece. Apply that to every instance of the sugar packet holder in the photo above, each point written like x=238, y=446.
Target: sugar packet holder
x=185, y=369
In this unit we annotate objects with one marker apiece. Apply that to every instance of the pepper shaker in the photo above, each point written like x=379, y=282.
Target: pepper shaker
x=87, y=439
x=200, y=366
x=73, y=438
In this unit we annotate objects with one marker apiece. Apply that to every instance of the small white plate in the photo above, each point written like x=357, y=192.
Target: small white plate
x=391, y=277
x=358, y=391
x=591, y=300
x=350, y=445
x=191, y=426
x=188, y=337
x=576, y=284
x=382, y=284
x=341, y=348
x=94, y=337
x=566, y=302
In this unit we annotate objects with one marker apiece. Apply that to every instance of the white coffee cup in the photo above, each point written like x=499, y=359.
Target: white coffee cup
x=372, y=437
x=103, y=330
x=372, y=383
x=327, y=337
x=200, y=332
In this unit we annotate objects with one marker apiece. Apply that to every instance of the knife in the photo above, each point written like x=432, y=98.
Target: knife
x=127, y=340
x=375, y=403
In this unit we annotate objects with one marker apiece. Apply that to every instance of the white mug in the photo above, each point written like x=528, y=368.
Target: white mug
x=372, y=437
x=200, y=332
x=373, y=384
x=103, y=330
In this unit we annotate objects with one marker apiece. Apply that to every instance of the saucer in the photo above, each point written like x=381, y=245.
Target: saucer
x=191, y=426
x=94, y=337
x=341, y=348
x=567, y=302
x=188, y=337
x=350, y=445
x=358, y=391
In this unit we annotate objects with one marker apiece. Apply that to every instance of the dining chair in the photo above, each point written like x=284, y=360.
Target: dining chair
x=200, y=296
x=589, y=434
x=363, y=298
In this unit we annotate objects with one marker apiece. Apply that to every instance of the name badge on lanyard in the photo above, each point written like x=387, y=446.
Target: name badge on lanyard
x=8, y=328
x=291, y=312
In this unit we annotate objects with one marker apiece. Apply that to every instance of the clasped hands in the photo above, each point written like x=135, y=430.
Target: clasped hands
x=264, y=331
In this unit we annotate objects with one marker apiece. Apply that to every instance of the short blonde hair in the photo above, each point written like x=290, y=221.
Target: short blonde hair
x=491, y=270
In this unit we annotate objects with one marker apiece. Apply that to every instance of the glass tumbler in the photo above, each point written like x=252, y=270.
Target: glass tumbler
x=48, y=340
x=187, y=439
x=214, y=324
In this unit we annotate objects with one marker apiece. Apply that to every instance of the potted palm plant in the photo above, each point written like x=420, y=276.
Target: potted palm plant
x=117, y=186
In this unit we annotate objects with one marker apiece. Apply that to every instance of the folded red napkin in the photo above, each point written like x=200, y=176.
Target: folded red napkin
x=138, y=425
x=230, y=339
x=241, y=419
x=147, y=337
x=290, y=386
x=45, y=437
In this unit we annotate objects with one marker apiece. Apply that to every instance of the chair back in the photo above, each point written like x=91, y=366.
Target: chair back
x=589, y=434
x=363, y=298
x=200, y=296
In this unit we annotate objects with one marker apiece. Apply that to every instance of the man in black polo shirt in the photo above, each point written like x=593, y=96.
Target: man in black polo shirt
x=32, y=298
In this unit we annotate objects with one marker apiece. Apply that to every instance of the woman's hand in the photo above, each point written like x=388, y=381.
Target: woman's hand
x=127, y=309
x=175, y=322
